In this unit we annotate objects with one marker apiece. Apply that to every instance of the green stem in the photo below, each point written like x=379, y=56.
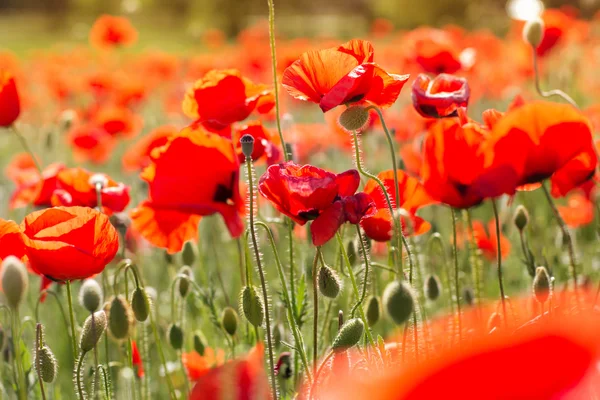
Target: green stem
x=26, y=147
x=16, y=338
x=38, y=364
x=499, y=261
x=162, y=357
x=456, y=281
x=476, y=258
x=80, y=388
x=550, y=93
x=72, y=318
x=366, y=277
x=315, y=308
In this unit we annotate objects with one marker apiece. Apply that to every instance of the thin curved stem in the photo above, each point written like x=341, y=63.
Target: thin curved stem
x=60, y=306
x=80, y=388
x=456, y=281
x=72, y=318
x=549, y=93
x=26, y=147
x=366, y=278
x=16, y=338
x=38, y=362
x=499, y=261
x=162, y=357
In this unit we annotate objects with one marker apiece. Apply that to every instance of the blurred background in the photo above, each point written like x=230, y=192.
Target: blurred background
x=175, y=24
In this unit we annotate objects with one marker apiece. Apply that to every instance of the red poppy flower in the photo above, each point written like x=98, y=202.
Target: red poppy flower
x=264, y=146
x=181, y=193
x=379, y=227
x=10, y=106
x=307, y=193
x=342, y=75
x=137, y=157
x=435, y=51
x=197, y=365
x=579, y=210
x=223, y=97
x=67, y=243
x=11, y=242
x=118, y=121
x=110, y=31
x=549, y=135
x=574, y=173
x=136, y=360
x=487, y=241
x=241, y=379
x=21, y=168
x=91, y=143
x=458, y=169
x=75, y=187
x=440, y=97
x=36, y=190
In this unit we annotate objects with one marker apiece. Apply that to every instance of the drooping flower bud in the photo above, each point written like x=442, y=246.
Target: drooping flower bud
x=229, y=320
x=175, y=335
x=432, y=287
x=373, y=310
x=252, y=306
x=354, y=118
x=183, y=284
x=199, y=342
x=329, y=282
x=46, y=364
x=247, y=143
x=348, y=335
x=119, y=318
x=521, y=218
x=14, y=281
x=542, y=287
x=189, y=254
x=399, y=302
x=533, y=32
x=283, y=368
x=92, y=330
x=90, y=295
x=140, y=304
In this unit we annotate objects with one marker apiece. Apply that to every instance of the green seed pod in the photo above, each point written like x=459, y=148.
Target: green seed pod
x=175, y=335
x=542, y=288
x=247, y=144
x=329, y=282
x=14, y=281
x=90, y=295
x=46, y=364
x=92, y=330
x=468, y=296
x=521, y=218
x=252, y=306
x=189, y=254
x=399, y=302
x=140, y=304
x=493, y=322
x=432, y=287
x=119, y=318
x=354, y=118
x=373, y=311
x=199, y=342
x=348, y=335
x=533, y=32
x=351, y=251
x=183, y=284
x=229, y=320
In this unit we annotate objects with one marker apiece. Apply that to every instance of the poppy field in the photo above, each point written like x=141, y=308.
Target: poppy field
x=409, y=214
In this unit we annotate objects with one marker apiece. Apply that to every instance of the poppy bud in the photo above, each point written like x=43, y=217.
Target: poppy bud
x=373, y=310
x=46, y=364
x=432, y=287
x=351, y=251
x=119, y=318
x=98, y=181
x=399, y=301
x=348, y=335
x=252, y=306
x=542, y=288
x=229, y=320
x=283, y=368
x=354, y=118
x=533, y=32
x=175, y=335
x=468, y=296
x=90, y=295
x=521, y=218
x=329, y=282
x=92, y=331
x=199, y=342
x=14, y=281
x=184, y=283
x=189, y=254
x=493, y=322
x=140, y=304
x=247, y=143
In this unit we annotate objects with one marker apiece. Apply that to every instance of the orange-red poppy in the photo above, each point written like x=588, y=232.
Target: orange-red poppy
x=197, y=365
x=575, y=173
x=136, y=359
x=487, y=240
x=36, y=190
x=307, y=193
x=137, y=157
x=90, y=143
x=579, y=210
x=11, y=242
x=181, y=193
x=67, y=243
x=241, y=379
x=435, y=51
x=265, y=146
x=10, y=106
x=118, y=121
x=342, y=75
x=20, y=168
x=76, y=187
x=440, y=97
x=412, y=196
x=223, y=97
x=110, y=31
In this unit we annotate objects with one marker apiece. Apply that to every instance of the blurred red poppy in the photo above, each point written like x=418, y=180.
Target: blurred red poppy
x=342, y=75
x=579, y=210
x=118, y=121
x=67, y=243
x=20, y=168
x=36, y=190
x=307, y=193
x=91, y=143
x=412, y=196
x=137, y=157
x=11, y=242
x=223, y=97
x=76, y=187
x=197, y=365
x=264, y=146
x=487, y=240
x=440, y=97
x=136, y=359
x=181, y=193
x=110, y=31
x=10, y=106
x=435, y=51
x=241, y=379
